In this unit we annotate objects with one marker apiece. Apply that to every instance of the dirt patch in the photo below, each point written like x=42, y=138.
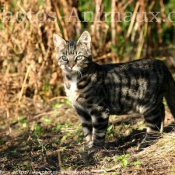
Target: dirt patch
x=48, y=137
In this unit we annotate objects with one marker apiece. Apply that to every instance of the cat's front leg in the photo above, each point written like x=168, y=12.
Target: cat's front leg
x=100, y=124
x=87, y=131
x=86, y=124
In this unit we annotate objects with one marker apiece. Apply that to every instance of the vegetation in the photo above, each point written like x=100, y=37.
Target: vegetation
x=39, y=130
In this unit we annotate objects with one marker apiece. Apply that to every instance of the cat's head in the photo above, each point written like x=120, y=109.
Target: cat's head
x=73, y=56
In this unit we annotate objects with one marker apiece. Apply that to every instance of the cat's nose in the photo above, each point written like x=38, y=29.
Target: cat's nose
x=71, y=64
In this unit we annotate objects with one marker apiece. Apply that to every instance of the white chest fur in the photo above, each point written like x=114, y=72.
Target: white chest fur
x=73, y=86
x=72, y=92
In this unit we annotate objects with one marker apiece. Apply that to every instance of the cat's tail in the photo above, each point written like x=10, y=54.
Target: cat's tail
x=170, y=95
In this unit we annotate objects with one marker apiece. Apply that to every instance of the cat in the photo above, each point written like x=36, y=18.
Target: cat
x=97, y=91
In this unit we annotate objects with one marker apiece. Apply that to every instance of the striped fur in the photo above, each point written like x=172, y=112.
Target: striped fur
x=96, y=91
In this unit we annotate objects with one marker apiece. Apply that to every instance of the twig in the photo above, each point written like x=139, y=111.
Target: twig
x=125, y=4
x=106, y=170
x=104, y=56
x=60, y=97
x=22, y=89
x=59, y=159
x=172, y=60
x=24, y=83
x=44, y=113
x=61, y=21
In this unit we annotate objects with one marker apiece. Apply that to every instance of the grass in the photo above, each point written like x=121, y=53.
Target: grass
x=122, y=160
x=158, y=156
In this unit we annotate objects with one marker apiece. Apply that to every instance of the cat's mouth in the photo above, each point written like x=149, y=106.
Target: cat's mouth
x=75, y=72
x=69, y=70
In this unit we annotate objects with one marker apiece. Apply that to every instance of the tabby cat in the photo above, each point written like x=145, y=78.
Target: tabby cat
x=96, y=91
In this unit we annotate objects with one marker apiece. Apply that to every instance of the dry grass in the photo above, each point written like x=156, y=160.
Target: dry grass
x=158, y=158
x=28, y=68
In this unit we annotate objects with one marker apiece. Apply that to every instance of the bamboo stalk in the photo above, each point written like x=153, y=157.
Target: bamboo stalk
x=142, y=39
x=113, y=30
x=113, y=22
x=97, y=18
x=133, y=19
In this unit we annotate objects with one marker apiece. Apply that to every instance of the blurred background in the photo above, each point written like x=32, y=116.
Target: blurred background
x=121, y=31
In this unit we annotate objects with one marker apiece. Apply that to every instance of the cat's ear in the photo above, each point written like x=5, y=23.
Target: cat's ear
x=85, y=40
x=59, y=42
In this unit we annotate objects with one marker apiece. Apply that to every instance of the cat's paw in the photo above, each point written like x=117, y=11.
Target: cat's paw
x=93, y=145
x=93, y=150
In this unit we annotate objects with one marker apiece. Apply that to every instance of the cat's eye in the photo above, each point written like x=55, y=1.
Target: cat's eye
x=64, y=58
x=79, y=57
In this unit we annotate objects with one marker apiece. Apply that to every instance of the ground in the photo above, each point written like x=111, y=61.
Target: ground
x=47, y=138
